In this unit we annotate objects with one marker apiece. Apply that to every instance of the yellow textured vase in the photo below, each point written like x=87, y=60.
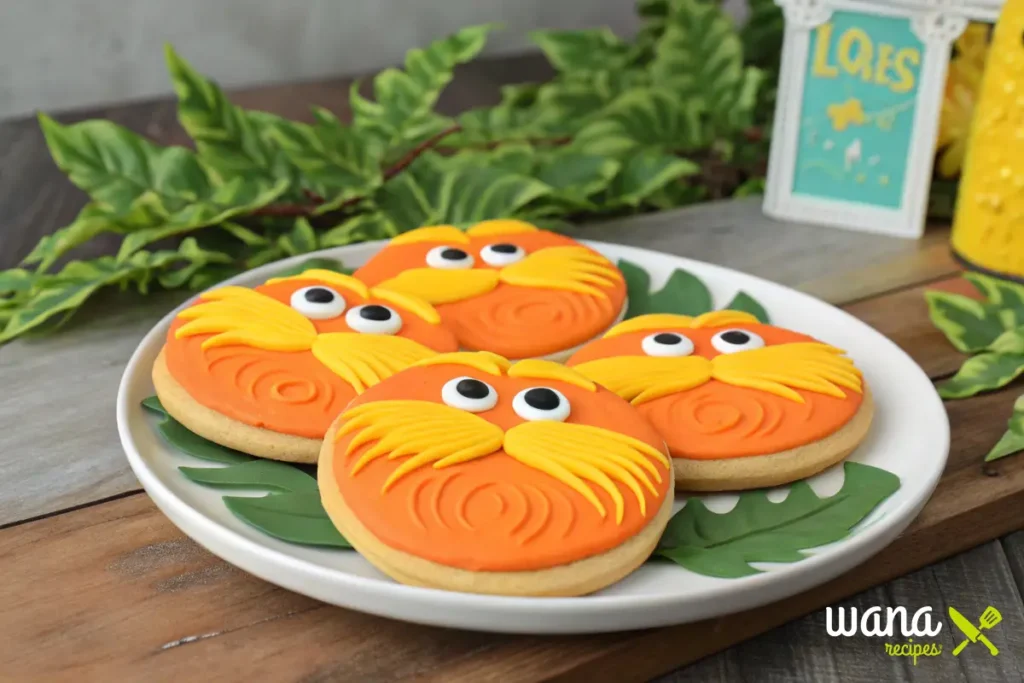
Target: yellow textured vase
x=988, y=228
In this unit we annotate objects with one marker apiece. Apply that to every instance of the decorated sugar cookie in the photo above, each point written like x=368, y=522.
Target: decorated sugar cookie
x=505, y=286
x=267, y=370
x=469, y=473
x=741, y=404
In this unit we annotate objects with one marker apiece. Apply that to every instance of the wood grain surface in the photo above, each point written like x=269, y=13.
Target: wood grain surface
x=99, y=585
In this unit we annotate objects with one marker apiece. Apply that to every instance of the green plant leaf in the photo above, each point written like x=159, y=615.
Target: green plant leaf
x=230, y=140
x=301, y=239
x=583, y=51
x=646, y=171
x=984, y=372
x=374, y=225
x=757, y=530
x=683, y=294
x=762, y=34
x=404, y=99
x=700, y=57
x=1000, y=293
x=293, y=517
x=1013, y=440
x=744, y=302
x=968, y=324
x=196, y=259
x=180, y=438
x=15, y=280
x=335, y=162
x=1010, y=342
x=645, y=118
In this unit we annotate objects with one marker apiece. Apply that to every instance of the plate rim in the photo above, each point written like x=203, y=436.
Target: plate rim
x=809, y=572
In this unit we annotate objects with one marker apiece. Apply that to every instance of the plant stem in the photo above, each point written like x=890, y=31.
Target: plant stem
x=418, y=150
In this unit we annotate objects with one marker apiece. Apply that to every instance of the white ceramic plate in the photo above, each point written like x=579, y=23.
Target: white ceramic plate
x=909, y=437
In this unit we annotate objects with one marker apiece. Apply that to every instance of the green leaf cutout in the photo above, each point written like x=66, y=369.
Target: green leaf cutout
x=969, y=325
x=291, y=511
x=757, y=530
x=178, y=436
x=746, y=303
x=683, y=294
x=984, y=372
x=293, y=517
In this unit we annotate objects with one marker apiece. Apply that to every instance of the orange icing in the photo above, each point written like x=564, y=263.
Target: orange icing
x=716, y=420
x=289, y=392
x=506, y=319
x=493, y=513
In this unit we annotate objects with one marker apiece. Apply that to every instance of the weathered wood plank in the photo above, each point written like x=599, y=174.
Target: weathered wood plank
x=139, y=600
x=803, y=651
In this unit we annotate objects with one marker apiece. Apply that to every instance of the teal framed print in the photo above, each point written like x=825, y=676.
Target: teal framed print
x=858, y=108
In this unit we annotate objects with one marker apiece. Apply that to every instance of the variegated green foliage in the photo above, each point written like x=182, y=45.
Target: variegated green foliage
x=993, y=330
x=622, y=127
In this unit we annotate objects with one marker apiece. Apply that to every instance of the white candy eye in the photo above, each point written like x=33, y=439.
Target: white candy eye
x=449, y=258
x=502, y=254
x=732, y=341
x=374, y=319
x=318, y=303
x=541, y=403
x=667, y=344
x=469, y=394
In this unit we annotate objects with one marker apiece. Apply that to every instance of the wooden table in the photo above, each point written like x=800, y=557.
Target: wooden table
x=98, y=585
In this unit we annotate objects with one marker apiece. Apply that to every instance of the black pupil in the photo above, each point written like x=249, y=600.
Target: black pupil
x=735, y=337
x=374, y=312
x=472, y=388
x=319, y=295
x=542, y=399
x=667, y=338
x=453, y=254
x=504, y=248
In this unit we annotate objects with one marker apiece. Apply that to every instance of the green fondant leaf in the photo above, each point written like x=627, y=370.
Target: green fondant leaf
x=683, y=294
x=1002, y=293
x=178, y=436
x=1011, y=341
x=757, y=530
x=1013, y=440
x=983, y=372
x=970, y=325
x=744, y=302
x=257, y=474
x=292, y=517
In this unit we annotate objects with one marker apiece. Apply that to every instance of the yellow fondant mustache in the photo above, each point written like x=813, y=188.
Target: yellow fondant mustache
x=778, y=370
x=579, y=456
x=237, y=315
x=575, y=269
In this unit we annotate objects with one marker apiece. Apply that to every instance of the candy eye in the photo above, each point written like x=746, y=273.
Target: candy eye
x=449, y=258
x=469, y=394
x=731, y=341
x=541, y=403
x=502, y=254
x=667, y=345
x=374, y=319
x=318, y=303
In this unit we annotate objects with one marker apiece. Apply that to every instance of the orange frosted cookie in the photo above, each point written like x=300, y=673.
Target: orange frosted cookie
x=267, y=370
x=469, y=473
x=741, y=404
x=505, y=286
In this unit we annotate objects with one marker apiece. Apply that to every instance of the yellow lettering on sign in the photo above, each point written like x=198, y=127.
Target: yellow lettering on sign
x=822, y=69
x=858, y=56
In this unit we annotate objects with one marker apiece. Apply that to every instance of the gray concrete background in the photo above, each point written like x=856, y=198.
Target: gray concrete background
x=57, y=55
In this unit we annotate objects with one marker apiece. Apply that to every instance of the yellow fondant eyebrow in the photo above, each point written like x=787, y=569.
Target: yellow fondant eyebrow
x=432, y=233
x=484, y=361
x=408, y=302
x=657, y=321
x=500, y=227
x=330, y=277
x=544, y=369
x=651, y=321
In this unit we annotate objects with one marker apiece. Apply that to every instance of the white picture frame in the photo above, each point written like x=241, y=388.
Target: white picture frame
x=936, y=23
